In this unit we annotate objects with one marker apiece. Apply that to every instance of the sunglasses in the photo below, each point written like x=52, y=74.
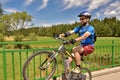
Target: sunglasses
x=82, y=18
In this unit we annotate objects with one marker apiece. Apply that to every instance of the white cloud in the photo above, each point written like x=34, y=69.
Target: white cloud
x=97, y=3
x=46, y=25
x=74, y=3
x=11, y=10
x=71, y=21
x=28, y=2
x=97, y=15
x=113, y=9
x=44, y=4
x=91, y=4
x=110, y=12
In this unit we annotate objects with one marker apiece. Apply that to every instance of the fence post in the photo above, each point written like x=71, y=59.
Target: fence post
x=4, y=63
x=112, y=53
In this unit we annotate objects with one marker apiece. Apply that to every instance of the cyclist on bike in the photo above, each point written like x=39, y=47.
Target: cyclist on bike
x=86, y=39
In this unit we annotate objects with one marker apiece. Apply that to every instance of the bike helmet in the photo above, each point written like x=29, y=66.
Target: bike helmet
x=85, y=13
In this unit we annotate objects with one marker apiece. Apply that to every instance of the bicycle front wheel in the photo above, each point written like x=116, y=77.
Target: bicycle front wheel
x=86, y=73
x=32, y=70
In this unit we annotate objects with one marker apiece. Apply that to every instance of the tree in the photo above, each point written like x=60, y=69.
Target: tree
x=16, y=21
x=2, y=26
x=1, y=10
x=19, y=20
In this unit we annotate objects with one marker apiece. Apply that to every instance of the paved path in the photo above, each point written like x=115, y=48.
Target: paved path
x=104, y=74
x=112, y=76
x=107, y=74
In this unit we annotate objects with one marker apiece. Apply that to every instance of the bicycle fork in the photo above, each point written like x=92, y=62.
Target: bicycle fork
x=48, y=60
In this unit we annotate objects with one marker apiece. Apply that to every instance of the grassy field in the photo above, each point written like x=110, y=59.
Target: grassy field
x=16, y=57
x=45, y=42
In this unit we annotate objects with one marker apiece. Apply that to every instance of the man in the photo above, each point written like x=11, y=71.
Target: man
x=86, y=39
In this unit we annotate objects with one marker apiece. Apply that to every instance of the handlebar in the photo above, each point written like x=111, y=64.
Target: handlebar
x=56, y=36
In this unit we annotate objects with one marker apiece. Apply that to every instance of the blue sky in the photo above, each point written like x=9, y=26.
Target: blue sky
x=51, y=12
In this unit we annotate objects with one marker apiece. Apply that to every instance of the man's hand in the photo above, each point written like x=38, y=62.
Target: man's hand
x=61, y=35
x=66, y=34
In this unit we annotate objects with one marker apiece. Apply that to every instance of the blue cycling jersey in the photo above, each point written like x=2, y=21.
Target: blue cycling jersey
x=81, y=30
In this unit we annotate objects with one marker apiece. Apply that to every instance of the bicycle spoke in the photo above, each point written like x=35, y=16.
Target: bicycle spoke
x=33, y=67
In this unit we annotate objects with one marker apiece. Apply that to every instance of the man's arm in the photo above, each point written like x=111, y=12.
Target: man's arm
x=66, y=34
x=84, y=36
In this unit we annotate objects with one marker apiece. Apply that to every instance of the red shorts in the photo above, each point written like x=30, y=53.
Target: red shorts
x=88, y=49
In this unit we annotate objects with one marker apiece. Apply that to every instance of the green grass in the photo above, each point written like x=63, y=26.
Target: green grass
x=101, y=56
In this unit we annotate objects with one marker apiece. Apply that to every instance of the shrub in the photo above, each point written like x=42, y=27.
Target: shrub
x=18, y=38
x=26, y=46
x=1, y=38
x=32, y=37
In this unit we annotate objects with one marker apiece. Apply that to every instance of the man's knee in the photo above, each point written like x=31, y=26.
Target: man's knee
x=77, y=49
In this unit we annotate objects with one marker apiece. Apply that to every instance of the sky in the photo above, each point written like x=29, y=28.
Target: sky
x=52, y=12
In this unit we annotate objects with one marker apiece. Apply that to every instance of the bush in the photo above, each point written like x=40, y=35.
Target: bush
x=9, y=46
x=18, y=38
x=1, y=38
x=26, y=46
x=32, y=37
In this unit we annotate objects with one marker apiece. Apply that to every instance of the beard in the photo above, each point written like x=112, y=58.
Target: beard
x=83, y=24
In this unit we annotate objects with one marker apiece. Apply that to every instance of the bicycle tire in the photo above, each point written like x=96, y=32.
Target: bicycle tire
x=32, y=57
x=87, y=73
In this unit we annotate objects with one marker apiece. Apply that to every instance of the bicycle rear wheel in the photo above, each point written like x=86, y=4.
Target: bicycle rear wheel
x=32, y=70
x=86, y=73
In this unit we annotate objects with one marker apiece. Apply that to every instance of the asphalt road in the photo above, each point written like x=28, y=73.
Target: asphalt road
x=111, y=76
x=107, y=74
x=104, y=74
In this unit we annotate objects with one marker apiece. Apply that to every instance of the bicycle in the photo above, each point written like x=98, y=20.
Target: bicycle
x=47, y=64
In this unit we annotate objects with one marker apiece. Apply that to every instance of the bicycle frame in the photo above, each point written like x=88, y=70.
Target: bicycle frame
x=62, y=51
x=50, y=58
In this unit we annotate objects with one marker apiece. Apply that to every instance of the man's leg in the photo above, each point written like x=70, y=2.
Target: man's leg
x=86, y=50
x=77, y=51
